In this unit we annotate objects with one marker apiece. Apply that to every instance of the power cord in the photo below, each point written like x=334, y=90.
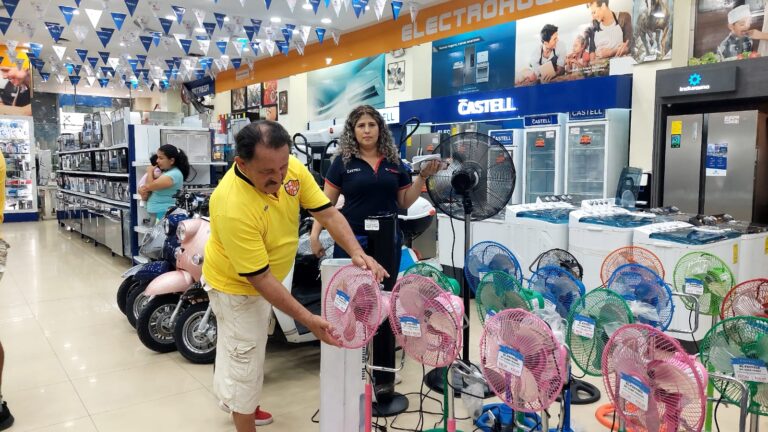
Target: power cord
x=717, y=405
x=690, y=324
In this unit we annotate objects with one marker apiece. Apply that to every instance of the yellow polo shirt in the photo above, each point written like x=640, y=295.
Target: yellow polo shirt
x=252, y=231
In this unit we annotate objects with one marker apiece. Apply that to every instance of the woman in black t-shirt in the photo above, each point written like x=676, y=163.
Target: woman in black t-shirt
x=369, y=173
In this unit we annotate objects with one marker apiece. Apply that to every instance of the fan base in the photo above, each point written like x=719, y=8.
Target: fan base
x=394, y=405
x=434, y=380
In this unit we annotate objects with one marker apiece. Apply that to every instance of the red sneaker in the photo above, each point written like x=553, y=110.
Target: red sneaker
x=261, y=417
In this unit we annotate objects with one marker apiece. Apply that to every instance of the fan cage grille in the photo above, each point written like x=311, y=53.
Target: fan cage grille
x=357, y=321
x=558, y=258
x=706, y=269
x=486, y=257
x=747, y=298
x=499, y=291
x=630, y=255
x=648, y=296
x=557, y=286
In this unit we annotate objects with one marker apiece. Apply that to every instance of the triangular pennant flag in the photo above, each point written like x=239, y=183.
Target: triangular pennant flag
x=82, y=53
x=337, y=6
x=256, y=26
x=327, y=3
x=90, y=80
x=74, y=80
x=80, y=32
x=291, y=4
x=204, y=43
x=94, y=15
x=222, y=45
x=304, y=32
x=76, y=69
x=288, y=32
x=414, y=8
x=10, y=6
x=176, y=62
x=357, y=6
x=168, y=74
x=270, y=46
x=103, y=82
x=179, y=11
x=336, y=34
x=268, y=3
x=186, y=44
x=35, y=49
x=105, y=35
x=131, y=5
x=60, y=78
x=77, y=2
x=300, y=47
x=93, y=61
x=104, y=57
x=379, y=8
x=156, y=38
x=320, y=32
x=315, y=5
x=146, y=41
x=134, y=63
x=45, y=76
x=249, y=31
x=199, y=15
x=166, y=24
x=67, y=11
x=255, y=47
x=209, y=28
x=396, y=6
x=106, y=71
x=219, y=19
x=283, y=46
x=114, y=62
x=55, y=30
x=170, y=63
x=5, y=23
x=142, y=59
x=236, y=62
x=118, y=18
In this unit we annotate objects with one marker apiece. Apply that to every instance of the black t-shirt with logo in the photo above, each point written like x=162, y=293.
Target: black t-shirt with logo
x=368, y=191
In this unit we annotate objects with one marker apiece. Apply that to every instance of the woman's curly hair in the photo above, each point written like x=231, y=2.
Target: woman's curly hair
x=348, y=145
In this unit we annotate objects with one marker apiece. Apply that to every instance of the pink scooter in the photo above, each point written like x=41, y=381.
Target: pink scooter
x=172, y=293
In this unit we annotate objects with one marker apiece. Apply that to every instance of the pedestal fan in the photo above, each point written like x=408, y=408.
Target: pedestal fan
x=446, y=283
x=476, y=185
x=749, y=298
x=427, y=322
x=630, y=255
x=558, y=258
x=499, y=291
x=653, y=383
x=649, y=298
x=486, y=257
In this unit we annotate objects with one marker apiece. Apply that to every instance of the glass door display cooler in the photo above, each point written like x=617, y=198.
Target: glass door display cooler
x=543, y=160
x=17, y=145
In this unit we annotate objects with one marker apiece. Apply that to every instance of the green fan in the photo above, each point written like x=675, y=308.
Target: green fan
x=738, y=347
x=706, y=276
x=498, y=291
x=591, y=322
x=447, y=284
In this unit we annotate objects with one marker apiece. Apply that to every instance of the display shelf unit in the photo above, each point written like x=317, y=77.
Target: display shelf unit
x=84, y=150
x=17, y=143
x=94, y=173
x=96, y=198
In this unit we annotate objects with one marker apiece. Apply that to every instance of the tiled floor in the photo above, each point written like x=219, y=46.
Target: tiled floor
x=73, y=363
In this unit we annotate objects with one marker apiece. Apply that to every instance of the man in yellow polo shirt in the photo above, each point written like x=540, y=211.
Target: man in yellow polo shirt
x=254, y=237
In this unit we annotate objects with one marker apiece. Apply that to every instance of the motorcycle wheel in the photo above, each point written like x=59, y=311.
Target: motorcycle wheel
x=136, y=302
x=154, y=325
x=193, y=344
x=123, y=291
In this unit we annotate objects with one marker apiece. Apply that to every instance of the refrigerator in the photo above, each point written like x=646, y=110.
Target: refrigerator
x=717, y=163
x=596, y=152
x=17, y=143
x=512, y=140
x=543, y=165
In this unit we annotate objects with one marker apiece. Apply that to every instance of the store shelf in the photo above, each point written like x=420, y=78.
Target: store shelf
x=96, y=198
x=91, y=149
x=146, y=163
x=95, y=173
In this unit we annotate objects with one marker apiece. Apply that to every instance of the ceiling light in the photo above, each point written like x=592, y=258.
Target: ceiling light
x=276, y=19
x=326, y=21
x=328, y=60
x=226, y=19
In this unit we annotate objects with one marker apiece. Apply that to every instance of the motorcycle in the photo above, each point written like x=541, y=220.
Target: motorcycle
x=170, y=294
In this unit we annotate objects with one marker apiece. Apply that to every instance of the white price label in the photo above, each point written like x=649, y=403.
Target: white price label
x=510, y=361
x=732, y=120
x=583, y=326
x=694, y=286
x=482, y=276
x=490, y=314
x=342, y=301
x=575, y=131
x=410, y=326
x=751, y=370
x=371, y=225
x=550, y=134
x=724, y=277
x=632, y=390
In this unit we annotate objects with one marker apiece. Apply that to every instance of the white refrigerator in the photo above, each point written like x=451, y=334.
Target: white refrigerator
x=512, y=140
x=543, y=156
x=17, y=143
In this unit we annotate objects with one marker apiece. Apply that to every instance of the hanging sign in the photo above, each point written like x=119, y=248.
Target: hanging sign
x=219, y=19
x=104, y=56
x=186, y=44
x=82, y=53
x=146, y=42
x=119, y=19
x=105, y=34
x=10, y=6
x=320, y=32
x=131, y=5
x=67, y=11
x=55, y=30
x=166, y=24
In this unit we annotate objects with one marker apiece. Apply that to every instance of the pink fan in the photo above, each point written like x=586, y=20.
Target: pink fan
x=630, y=255
x=355, y=306
x=653, y=382
x=748, y=298
x=426, y=321
x=522, y=361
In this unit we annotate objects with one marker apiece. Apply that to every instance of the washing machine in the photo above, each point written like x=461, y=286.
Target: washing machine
x=597, y=229
x=536, y=228
x=672, y=240
x=753, y=250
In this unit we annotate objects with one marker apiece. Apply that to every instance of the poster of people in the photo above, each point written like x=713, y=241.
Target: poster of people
x=730, y=30
x=15, y=88
x=238, y=99
x=253, y=95
x=652, y=30
x=590, y=40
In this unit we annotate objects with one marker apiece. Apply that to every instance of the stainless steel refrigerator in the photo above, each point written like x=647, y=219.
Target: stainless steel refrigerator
x=718, y=163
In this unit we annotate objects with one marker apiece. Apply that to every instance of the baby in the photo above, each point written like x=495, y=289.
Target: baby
x=157, y=173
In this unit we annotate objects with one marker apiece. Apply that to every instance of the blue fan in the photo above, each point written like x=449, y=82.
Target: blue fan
x=558, y=286
x=486, y=257
x=648, y=297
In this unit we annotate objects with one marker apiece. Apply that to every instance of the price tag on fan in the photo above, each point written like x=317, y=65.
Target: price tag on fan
x=342, y=301
x=490, y=314
x=510, y=360
x=724, y=276
x=583, y=326
x=371, y=225
x=751, y=370
x=632, y=390
x=410, y=326
x=694, y=286
x=482, y=275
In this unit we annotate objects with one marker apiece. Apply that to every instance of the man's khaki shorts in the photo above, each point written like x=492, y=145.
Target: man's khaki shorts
x=242, y=339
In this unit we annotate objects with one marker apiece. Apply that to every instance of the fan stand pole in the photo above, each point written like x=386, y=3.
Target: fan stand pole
x=464, y=283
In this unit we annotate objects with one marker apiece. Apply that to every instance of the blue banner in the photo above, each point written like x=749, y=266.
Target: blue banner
x=105, y=35
x=256, y=25
x=82, y=53
x=146, y=42
x=166, y=24
x=142, y=59
x=35, y=49
x=131, y=5
x=222, y=46
x=315, y=5
x=134, y=63
x=93, y=61
x=357, y=6
x=75, y=80
x=55, y=29
x=268, y=3
x=179, y=11
x=396, y=6
x=106, y=70
x=45, y=76
x=67, y=11
x=320, y=32
x=156, y=38
x=287, y=34
x=219, y=19
x=10, y=6
x=186, y=44
x=283, y=46
x=249, y=31
x=104, y=56
x=176, y=62
x=582, y=115
x=236, y=62
x=77, y=69
x=541, y=120
x=5, y=23
x=170, y=63
x=119, y=19
x=209, y=28
x=168, y=74
x=255, y=48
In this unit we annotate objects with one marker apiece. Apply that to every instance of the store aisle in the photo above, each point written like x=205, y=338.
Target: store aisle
x=73, y=363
